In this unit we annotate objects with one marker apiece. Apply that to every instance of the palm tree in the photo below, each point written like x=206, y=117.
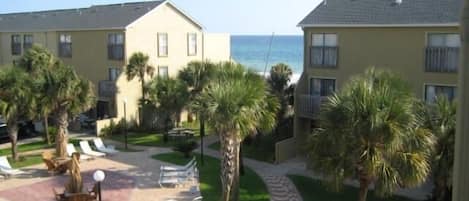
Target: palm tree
x=371, y=131
x=442, y=121
x=169, y=96
x=71, y=95
x=238, y=102
x=138, y=67
x=278, y=80
x=280, y=75
x=37, y=61
x=460, y=191
x=197, y=75
x=16, y=101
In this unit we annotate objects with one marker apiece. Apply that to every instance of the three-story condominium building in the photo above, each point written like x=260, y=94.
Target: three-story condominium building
x=417, y=39
x=99, y=40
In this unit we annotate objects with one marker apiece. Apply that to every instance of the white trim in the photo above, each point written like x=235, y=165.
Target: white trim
x=376, y=25
x=62, y=30
x=157, y=8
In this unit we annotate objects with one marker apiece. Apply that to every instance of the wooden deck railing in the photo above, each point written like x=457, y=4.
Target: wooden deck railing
x=308, y=106
x=441, y=59
x=324, y=57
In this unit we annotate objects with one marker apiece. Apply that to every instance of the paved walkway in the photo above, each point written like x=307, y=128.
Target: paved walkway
x=142, y=170
x=274, y=176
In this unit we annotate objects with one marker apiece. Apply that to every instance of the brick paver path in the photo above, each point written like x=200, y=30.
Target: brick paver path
x=280, y=187
x=115, y=187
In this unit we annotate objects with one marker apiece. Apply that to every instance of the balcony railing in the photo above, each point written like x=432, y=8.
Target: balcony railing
x=324, y=57
x=441, y=59
x=308, y=106
x=107, y=88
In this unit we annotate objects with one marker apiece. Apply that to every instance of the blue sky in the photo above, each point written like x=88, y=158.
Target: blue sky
x=231, y=16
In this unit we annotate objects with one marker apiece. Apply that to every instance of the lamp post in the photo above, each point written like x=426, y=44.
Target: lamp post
x=125, y=122
x=99, y=176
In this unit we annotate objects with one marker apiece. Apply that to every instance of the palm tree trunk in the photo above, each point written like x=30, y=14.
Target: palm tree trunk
x=12, y=128
x=364, y=184
x=46, y=129
x=202, y=135
x=61, y=139
x=461, y=176
x=230, y=165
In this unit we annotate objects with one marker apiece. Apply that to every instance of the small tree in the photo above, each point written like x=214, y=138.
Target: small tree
x=442, y=121
x=238, y=102
x=169, y=96
x=371, y=131
x=16, y=101
x=71, y=95
x=37, y=61
x=278, y=80
x=197, y=75
x=138, y=67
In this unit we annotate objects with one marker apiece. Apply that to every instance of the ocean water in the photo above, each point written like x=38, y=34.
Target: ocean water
x=251, y=51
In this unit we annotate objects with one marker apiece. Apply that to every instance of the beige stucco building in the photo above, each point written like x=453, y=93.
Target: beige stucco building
x=99, y=40
x=416, y=39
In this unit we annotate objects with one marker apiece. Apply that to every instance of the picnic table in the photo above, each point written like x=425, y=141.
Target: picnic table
x=181, y=132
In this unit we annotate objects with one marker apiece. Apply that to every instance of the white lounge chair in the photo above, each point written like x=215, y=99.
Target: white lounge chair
x=178, y=167
x=174, y=181
x=98, y=143
x=189, y=172
x=71, y=149
x=85, y=147
x=6, y=169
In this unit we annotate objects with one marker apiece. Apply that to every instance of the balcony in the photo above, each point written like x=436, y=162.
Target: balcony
x=323, y=57
x=308, y=106
x=107, y=88
x=441, y=59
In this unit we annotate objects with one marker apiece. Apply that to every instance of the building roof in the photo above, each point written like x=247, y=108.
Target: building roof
x=363, y=13
x=114, y=16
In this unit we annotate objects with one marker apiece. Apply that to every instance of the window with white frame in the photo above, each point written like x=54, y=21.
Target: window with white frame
x=192, y=44
x=27, y=42
x=65, y=45
x=163, y=71
x=322, y=87
x=433, y=91
x=114, y=73
x=442, y=52
x=115, y=46
x=162, y=44
x=324, y=49
x=15, y=44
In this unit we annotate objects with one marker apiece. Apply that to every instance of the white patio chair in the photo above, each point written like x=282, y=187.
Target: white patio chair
x=98, y=143
x=71, y=149
x=6, y=169
x=85, y=147
x=178, y=167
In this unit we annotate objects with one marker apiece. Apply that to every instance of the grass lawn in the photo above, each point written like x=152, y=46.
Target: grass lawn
x=25, y=161
x=28, y=160
x=144, y=139
x=34, y=146
x=313, y=190
x=252, y=186
x=148, y=139
x=261, y=152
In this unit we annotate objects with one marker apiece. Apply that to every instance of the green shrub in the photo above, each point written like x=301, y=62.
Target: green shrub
x=186, y=147
x=113, y=128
